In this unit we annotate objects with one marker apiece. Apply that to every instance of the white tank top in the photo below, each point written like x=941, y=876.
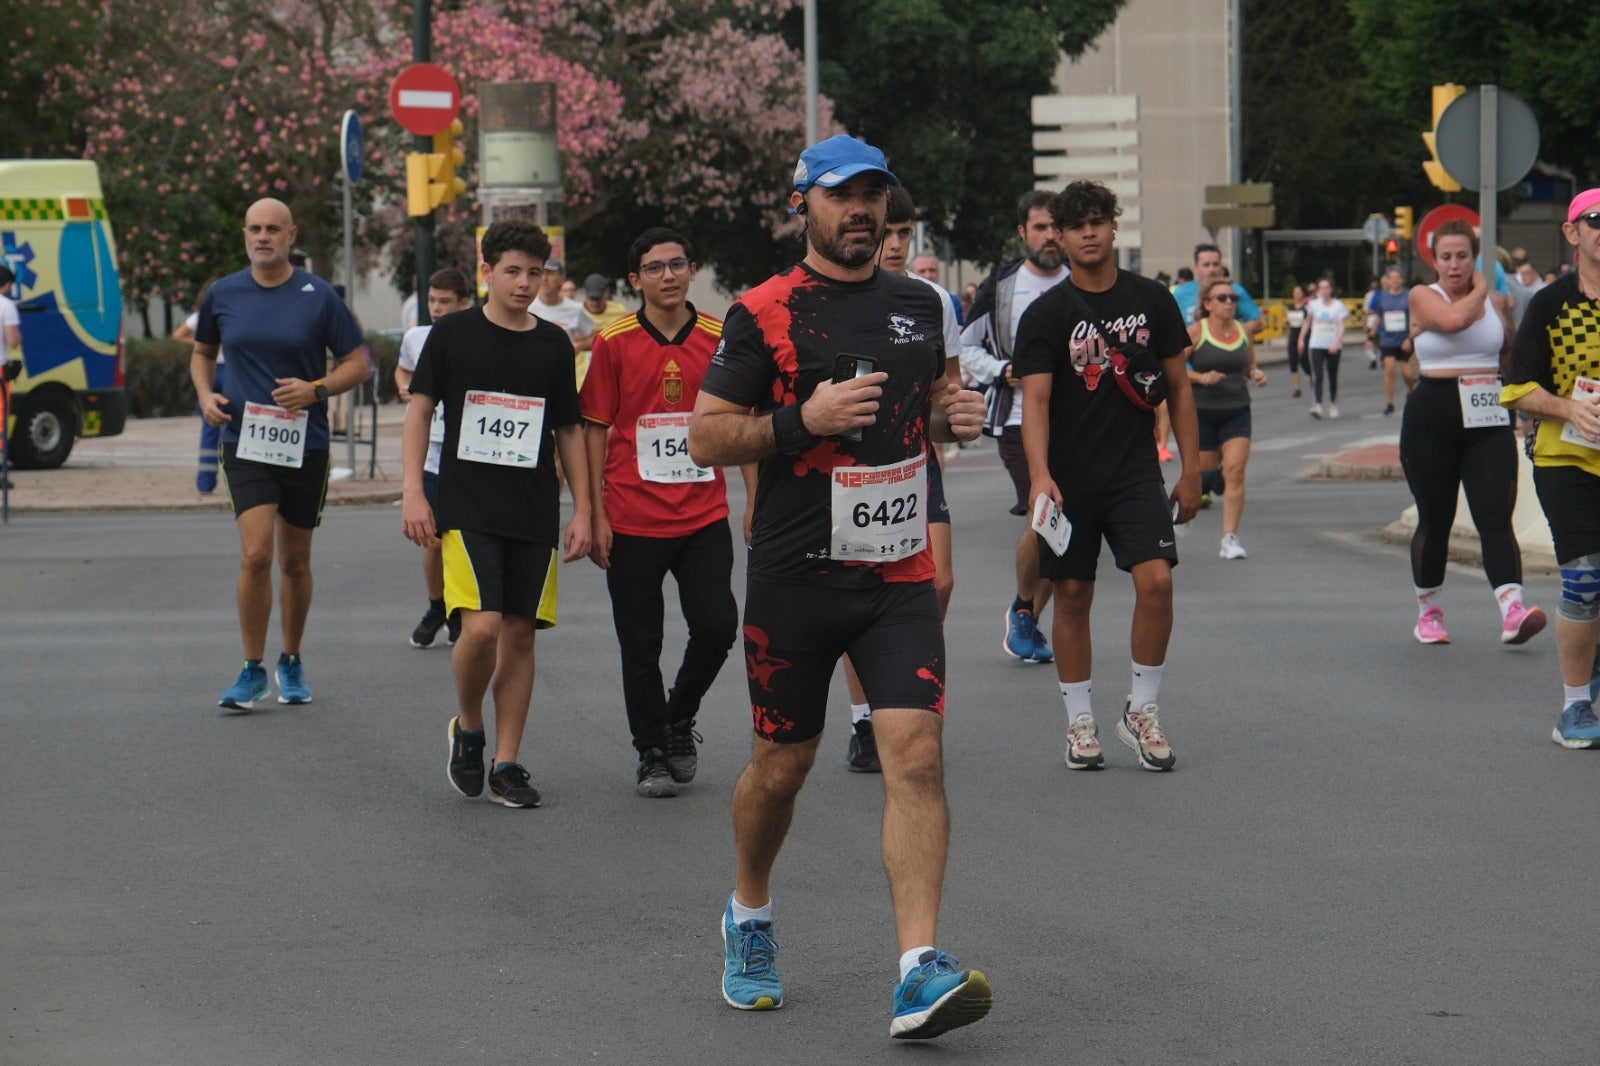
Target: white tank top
x=1475, y=348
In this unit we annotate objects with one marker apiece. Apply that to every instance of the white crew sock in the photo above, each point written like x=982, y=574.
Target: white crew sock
x=1426, y=598
x=742, y=914
x=911, y=959
x=860, y=712
x=1574, y=694
x=1506, y=595
x=1075, y=694
x=1146, y=684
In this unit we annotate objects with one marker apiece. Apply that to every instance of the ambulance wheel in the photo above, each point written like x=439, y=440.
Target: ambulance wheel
x=44, y=431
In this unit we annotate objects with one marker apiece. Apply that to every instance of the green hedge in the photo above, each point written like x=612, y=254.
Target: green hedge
x=158, y=382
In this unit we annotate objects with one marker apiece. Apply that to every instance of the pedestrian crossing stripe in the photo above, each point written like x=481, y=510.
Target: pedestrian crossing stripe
x=76, y=208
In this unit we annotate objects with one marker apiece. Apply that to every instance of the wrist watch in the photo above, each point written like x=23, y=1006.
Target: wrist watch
x=322, y=390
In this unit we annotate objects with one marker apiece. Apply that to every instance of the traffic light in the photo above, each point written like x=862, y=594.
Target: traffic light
x=1442, y=95
x=431, y=179
x=449, y=156
x=1403, y=223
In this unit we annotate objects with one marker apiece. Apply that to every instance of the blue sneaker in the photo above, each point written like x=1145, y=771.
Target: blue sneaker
x=1022, y=637
x=750, y=966
x=292, y=680
x=1578, y=728
x=250, y=689
x=938, y=996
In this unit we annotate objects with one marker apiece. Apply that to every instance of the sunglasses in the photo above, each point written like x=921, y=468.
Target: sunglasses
x=1226, y=297
x=654, y=270
x=1592, y=219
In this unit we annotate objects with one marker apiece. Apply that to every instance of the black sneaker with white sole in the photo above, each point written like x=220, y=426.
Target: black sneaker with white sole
x=683, y=758
x=466, y=759
x=509, y=785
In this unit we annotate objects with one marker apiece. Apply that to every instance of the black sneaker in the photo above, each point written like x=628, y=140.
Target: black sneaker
x=452, y=626
x=864, y=750
x=655, y=780
x=683, y=758
x=428, y=628
x=466, y=759
x=509, y=785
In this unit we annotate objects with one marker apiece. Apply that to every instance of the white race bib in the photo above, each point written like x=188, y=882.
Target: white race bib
x=436, y=427
x=1394, y=321
x=1051, y=524
x=1324, y=334
x=1480, y=402
x=273, y=435
x=1583, y=389
x=661, y=445
x=501, y=429
x=1296, y=319
x=880, y=513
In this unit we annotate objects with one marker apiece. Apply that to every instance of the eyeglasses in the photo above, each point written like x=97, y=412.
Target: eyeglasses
x=1226, y=297
x=654, y=270
x=1592, y=219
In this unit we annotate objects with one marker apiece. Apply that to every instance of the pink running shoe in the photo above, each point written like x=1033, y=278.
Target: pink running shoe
x=1521, y=624
x=1430, y=627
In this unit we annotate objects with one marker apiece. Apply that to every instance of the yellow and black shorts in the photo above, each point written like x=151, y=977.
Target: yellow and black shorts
x=483, y=572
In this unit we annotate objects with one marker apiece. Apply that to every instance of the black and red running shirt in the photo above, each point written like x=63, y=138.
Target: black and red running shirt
x=778, y=342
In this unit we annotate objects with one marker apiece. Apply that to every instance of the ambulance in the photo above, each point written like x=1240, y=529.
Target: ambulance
x=55, y=237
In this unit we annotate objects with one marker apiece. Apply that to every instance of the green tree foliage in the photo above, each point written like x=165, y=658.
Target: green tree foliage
x=1542, y=52
x=943, y=87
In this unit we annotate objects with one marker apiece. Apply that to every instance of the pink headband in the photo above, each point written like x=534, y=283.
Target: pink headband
x=1583, y=203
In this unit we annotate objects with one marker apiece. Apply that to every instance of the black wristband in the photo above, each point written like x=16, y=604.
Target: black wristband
x=789, y=431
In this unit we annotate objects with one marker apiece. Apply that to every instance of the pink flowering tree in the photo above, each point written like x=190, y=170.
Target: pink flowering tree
x=715, y=103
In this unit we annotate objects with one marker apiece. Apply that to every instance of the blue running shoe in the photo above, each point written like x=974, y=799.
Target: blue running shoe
x=1578, y=728
x=1022, y=637
x=251, y=688
x=292, y=680
x=750, y=966
x=938, y=996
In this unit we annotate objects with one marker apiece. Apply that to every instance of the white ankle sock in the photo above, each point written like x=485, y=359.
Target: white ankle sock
x=742, y=914
x=1426, y=598
x=860, y=712
x=1075, y=694
x=1506, y=595
x=1574, y=694
x=911, y=959
x=1146, y=684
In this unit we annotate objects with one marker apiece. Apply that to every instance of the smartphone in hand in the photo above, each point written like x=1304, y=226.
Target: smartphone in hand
x=846, y=367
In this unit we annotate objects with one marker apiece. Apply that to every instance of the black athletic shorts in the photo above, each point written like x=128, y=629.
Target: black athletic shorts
x=430, y=492
x=1135, y=520
x=1395, y=353
x=1016, y=461
x=938, y=506
x=297, y=492
x=1222, y=425
x=794, y=635
x=1570, y=497
x=483, y=572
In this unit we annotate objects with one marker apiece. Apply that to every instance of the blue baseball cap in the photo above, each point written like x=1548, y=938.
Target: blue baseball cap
x=837, y=160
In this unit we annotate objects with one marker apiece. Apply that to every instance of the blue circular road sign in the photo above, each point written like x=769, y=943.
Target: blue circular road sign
x=352, y=152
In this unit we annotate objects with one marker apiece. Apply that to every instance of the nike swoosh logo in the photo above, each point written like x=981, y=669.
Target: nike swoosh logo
x=1163, y=543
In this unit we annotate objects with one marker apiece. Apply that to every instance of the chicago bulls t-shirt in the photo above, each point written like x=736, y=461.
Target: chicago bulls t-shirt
x=1098, y=439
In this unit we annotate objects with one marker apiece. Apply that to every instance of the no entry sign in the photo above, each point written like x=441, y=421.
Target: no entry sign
x=424, y=99
x=1436, y=218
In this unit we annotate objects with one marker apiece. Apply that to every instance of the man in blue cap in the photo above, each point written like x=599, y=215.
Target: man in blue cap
x=831, y=375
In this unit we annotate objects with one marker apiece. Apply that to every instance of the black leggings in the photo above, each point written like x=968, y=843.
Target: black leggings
x=1320, y=358
x=1298, y=360
x=1439, y=456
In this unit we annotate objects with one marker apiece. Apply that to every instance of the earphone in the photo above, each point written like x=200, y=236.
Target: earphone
x=801, y=209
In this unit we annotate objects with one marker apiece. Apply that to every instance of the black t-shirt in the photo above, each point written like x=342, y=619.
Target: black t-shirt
x=465, y=351
x=1098, y=439
x=778, y=342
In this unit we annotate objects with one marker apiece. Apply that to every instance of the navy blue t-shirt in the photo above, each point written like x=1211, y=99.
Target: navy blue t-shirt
x=286, y=331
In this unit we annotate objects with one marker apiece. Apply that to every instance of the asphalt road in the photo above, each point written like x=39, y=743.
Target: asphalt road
x=1369, y=852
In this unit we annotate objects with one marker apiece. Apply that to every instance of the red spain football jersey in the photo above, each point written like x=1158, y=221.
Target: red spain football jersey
x=643, y=386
